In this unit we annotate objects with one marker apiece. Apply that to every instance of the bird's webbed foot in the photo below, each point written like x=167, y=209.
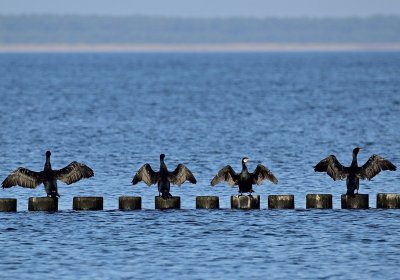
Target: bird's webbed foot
x=351, y=193
x=53, y=195
x=166, y=195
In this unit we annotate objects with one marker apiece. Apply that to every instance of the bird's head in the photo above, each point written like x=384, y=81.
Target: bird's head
x=245, y=160
x=357, y=150
x=162, y=156
x=48, y=154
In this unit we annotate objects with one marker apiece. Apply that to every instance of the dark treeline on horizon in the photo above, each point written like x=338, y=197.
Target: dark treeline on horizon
x=70, y=29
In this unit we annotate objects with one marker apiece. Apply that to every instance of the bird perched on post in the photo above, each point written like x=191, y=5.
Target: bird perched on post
x=244, y=179
x=26, y=178
x=164, y=178
x=354, y=173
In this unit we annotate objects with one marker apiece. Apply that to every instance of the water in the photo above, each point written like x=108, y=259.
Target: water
x=115, y=112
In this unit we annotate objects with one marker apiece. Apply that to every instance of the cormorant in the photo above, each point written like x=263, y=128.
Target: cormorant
x=26, y=178
x=353, y=173
x=163, y=178
x=244, y=179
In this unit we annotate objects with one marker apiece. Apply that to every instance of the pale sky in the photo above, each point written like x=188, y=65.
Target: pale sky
x=206, y=8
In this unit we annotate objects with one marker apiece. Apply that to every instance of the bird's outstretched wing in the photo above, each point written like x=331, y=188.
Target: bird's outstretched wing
x=333, y=167
x=73, y=172
x=373, y=166
x=262, y=173
x=180, y=175
x=146, y=174
x=226, y=174
x=23, y=177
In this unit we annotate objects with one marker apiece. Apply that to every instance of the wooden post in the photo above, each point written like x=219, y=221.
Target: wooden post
x=388, y=200
x=320, y=201
x=167, y=203
x=245, y=202
x=43, y=204
x=207, y=202
x=8, y=205
x=87, y=203
x=281, y=201
x=356, y=201
x=130, y=203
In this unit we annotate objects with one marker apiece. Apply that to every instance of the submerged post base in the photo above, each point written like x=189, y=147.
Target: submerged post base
x=207, y=202
x=356, y=201
x=245, y=202
x=8, y=205
x=43, y=204
x=87, y=203
x=320, y=201
x=130, y=203
x=388, y=200
x=168, y=203
x=285, y=201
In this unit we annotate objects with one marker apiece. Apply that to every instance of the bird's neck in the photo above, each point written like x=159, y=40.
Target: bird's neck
x=244, y=167
x=47, y=165
x=354, y=161
x=162, y=165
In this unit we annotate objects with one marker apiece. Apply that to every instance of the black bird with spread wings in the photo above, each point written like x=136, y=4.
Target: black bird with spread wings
x=244, y=179
x=26, y=178
x=163, y=178
x=354, y=173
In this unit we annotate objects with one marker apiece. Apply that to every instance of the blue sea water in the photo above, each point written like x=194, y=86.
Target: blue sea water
x=116, y=112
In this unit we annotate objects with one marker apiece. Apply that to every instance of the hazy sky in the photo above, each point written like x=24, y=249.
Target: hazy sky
x=206, y=8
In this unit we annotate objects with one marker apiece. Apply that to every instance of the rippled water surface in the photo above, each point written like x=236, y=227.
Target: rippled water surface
x=115, y=112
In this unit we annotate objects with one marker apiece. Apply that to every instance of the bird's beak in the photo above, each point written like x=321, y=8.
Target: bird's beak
x=361, y=149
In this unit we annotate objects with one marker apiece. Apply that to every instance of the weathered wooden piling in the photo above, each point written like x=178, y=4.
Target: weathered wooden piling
x=8, y=205
x=282, y=201
x=245, y=202
x=49, y=204
x=207, y=202
x=167, y=203
x=356, y=201
x=320, y=201
x=87, y=203
x=388, y=200
x=130, y=203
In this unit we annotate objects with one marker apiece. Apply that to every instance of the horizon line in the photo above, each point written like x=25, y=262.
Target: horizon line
x=201, y=17
x=203, y=47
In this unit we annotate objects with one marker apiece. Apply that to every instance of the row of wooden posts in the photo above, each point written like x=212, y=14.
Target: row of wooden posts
x=320, y=201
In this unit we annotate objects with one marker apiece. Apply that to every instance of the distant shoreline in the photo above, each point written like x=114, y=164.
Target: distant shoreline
x=206, y=47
